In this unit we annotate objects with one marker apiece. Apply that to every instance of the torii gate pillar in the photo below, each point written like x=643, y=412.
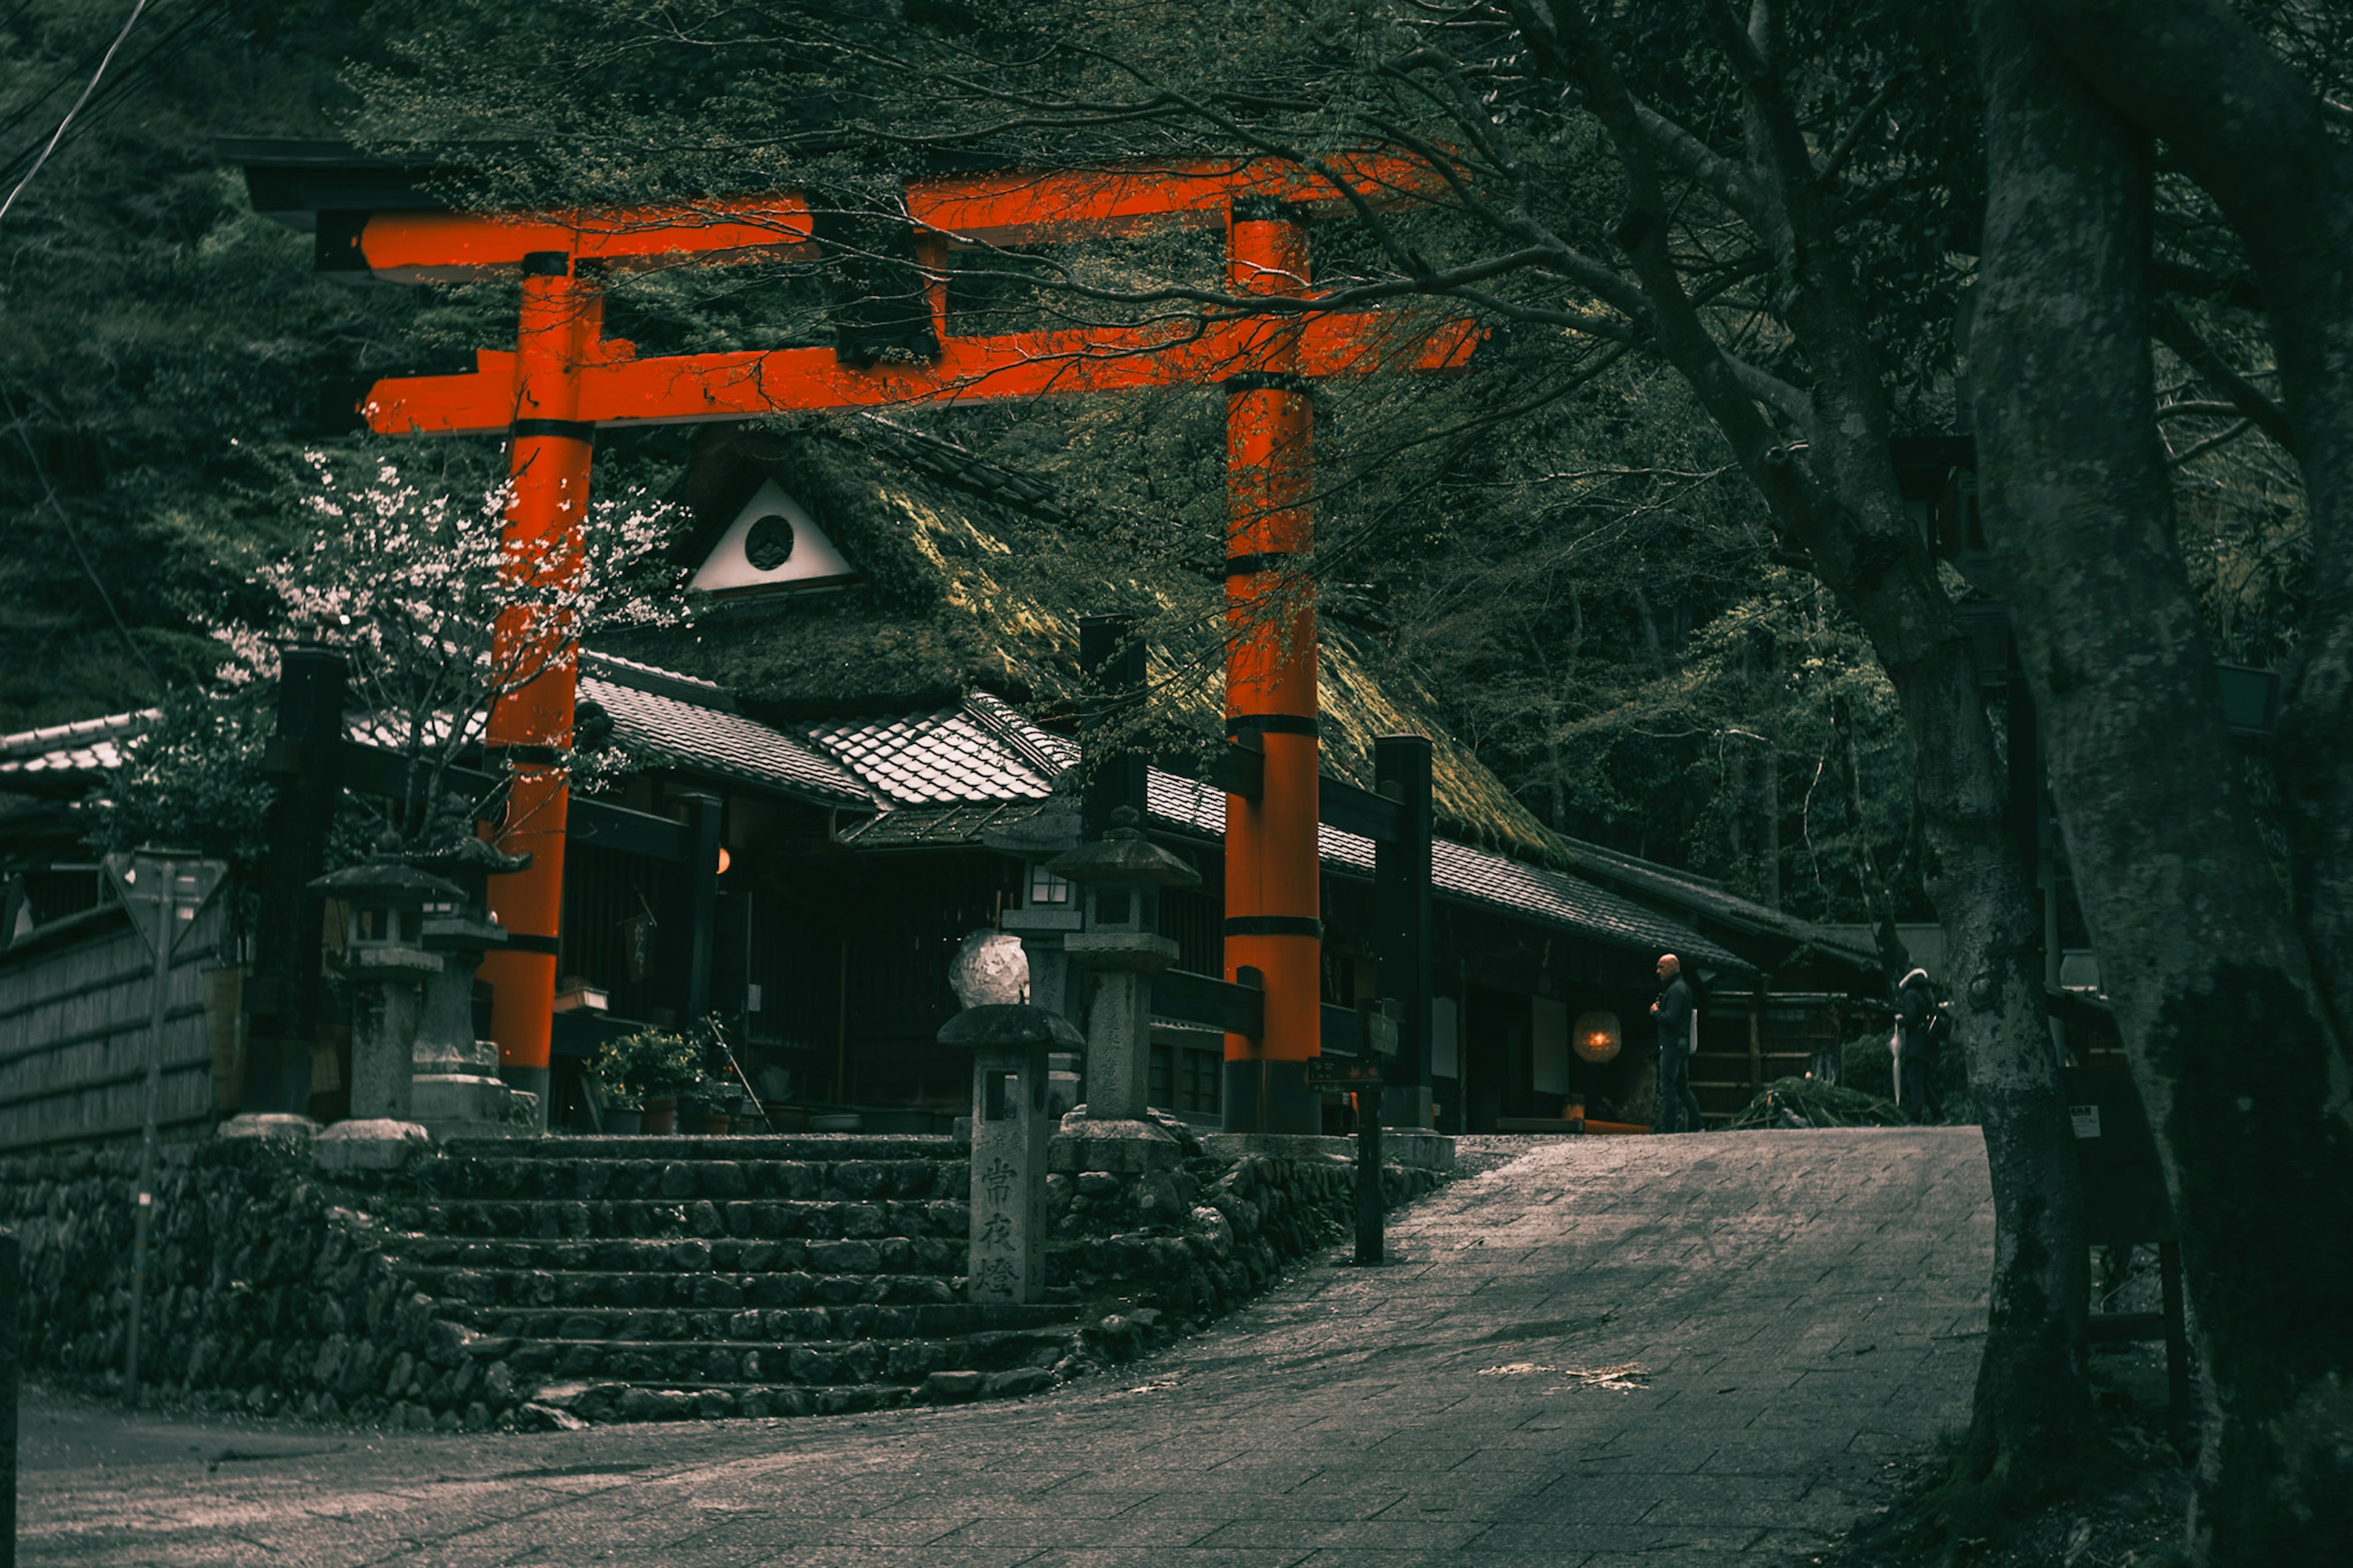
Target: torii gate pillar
x=1273, y=901
x=534, y=656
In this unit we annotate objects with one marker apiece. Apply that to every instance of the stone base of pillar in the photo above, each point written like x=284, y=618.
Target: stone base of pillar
x=1124, y=1148
x=1414, y=1148
x=467, y=1105
x=530, y=1084
x=1278, y=1145
x=458, y=1090
x=269, y=1124
x=370, y=1143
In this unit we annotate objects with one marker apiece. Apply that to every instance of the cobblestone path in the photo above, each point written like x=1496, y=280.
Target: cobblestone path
x=1605, y=1350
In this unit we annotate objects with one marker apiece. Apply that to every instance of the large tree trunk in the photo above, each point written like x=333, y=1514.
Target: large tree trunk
x=2031, y=1427
x=2031, y=1422
x=2245, y=1083
x=2249, y=130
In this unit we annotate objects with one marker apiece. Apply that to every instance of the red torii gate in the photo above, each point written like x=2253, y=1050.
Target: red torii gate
x=565, y=378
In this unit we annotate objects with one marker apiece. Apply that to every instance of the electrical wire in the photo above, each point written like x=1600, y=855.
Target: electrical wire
x=73, y=535
x=123, y=84
x=56, y=136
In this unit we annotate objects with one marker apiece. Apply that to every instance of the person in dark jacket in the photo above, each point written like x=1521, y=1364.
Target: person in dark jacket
x=1919, y=1031
x=1678, y=1106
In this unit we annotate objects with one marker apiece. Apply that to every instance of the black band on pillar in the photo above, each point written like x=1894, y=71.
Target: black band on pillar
x=547, y=264
x=523, y=941
x=569, y=429
x=1252, y=565
x=1267, y=209
x=1241, y=724
x=1268, y=381
x=1274, y=925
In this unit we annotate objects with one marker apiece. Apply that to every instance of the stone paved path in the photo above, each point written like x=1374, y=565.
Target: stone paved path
x=1787, y=1310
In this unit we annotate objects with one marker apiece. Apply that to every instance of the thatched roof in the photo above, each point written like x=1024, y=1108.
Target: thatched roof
x=973, y=578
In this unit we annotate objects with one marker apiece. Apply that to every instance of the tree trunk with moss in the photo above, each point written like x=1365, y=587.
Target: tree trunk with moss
x=2244, y=1081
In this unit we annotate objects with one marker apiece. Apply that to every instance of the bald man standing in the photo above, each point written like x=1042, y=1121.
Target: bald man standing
x=1678, y=1106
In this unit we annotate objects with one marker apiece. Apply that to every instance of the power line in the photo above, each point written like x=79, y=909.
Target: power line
x=73, y=535
x=58, y=135
x=120, y=85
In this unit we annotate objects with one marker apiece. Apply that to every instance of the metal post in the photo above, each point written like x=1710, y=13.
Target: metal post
x=167, y=904
x=1369, y=1178
x=1401, y=914
x=9, y=1265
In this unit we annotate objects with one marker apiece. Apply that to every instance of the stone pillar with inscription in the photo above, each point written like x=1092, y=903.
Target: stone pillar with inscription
x=1011, y=1120
x=1010, y=1128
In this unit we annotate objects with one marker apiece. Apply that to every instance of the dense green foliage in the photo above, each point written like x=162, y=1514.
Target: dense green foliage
x=1556, y=546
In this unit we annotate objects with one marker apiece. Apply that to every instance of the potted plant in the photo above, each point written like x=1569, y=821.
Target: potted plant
x=619, y=1112
x=708, y=1102
x=650, y=1068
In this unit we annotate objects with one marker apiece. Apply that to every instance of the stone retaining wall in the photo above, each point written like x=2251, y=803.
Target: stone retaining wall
x=281, y=1291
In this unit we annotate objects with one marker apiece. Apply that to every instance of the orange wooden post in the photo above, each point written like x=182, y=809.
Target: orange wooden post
x=533, y=653
x=1273, y=901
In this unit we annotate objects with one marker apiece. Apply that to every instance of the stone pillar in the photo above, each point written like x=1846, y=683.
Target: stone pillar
x=1119, y=1024
x=1010, y=1127
x=386, y=970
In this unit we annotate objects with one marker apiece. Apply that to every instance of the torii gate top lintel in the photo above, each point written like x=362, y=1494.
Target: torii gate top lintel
x=407, y=246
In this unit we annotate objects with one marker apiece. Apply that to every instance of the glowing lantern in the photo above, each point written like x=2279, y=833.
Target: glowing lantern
x=1597, y=1036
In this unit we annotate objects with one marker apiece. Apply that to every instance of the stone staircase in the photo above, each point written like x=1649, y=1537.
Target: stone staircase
x=643, y=1278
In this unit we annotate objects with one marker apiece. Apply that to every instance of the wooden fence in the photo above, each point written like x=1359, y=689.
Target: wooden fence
x=74, y=1007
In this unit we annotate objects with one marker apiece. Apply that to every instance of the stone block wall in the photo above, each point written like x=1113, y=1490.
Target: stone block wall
x=256, y=1267
x=1190, y=1244
x=480, y=1288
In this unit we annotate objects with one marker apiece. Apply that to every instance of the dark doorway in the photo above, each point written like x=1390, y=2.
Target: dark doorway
x=1494, y=1046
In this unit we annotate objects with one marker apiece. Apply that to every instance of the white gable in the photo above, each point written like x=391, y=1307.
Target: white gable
x=770, y=543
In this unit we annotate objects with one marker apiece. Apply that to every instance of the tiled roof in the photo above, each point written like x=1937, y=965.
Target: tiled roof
x=1471, y=876
x=81, y=752
x=930, y=759
x=719, y=741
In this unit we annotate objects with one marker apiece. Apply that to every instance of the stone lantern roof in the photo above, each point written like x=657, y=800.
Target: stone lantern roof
x=387, y=882
x=1123, y=855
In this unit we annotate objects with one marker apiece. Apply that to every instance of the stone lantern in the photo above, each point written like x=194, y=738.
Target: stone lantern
x=1120, y=876
x=386, y=966
x=457, y=1090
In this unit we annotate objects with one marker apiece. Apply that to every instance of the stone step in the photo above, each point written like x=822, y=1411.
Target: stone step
x=574, y=1219
x=827, y=1146
x=670, y=1363
x=682, y=1319
x=691, y=1399
x=488, y=1171
x=928, y=1255
x=586, y=1291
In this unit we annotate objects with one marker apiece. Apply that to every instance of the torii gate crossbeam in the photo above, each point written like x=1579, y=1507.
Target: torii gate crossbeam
x=564, y=379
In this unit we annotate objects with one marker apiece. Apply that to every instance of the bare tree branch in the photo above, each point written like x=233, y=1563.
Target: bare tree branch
x=2245, y=397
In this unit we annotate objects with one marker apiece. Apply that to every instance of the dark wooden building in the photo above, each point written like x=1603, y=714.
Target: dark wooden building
x=884, y=690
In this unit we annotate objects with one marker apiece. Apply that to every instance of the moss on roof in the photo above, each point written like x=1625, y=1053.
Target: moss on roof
x=970, y=578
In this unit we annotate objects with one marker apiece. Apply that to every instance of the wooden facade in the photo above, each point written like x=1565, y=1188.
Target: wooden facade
x=75, y=998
